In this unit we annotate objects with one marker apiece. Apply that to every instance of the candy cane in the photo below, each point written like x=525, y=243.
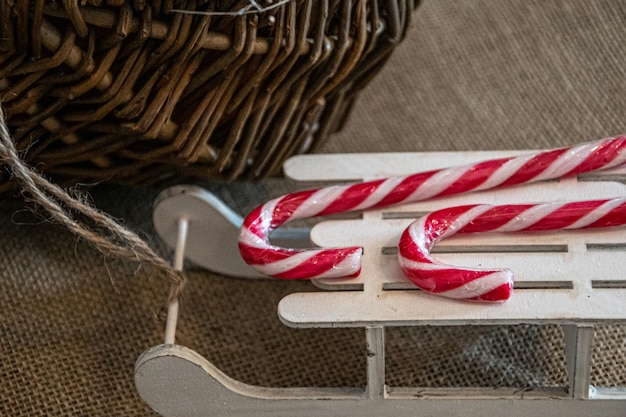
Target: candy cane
x=482, y=284
x=256, y=250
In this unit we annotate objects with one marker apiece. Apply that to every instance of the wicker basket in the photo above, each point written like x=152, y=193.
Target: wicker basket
x=139, y=91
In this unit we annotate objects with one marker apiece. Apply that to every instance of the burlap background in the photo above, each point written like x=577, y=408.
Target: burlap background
x=471, y=75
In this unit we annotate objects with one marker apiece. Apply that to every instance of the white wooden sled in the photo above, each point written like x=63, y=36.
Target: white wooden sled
x=574, y=279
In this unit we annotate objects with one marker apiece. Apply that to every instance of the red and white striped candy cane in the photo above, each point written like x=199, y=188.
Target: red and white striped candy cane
x=284, y=263
x=482, y=284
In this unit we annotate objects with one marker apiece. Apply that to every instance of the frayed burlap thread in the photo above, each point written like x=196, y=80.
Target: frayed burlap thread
x=106, y=234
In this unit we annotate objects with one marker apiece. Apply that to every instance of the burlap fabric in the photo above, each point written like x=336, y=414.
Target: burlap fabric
x=472, y=75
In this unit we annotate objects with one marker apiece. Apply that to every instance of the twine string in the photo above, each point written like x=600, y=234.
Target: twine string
x=109, y=236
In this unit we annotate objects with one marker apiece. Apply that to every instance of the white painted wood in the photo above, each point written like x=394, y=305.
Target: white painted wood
x=375, y=345
x=575, y=279
x=578, y=349
x=213, y=230
x=356, y=167
x=359, y=166
x=177, y=382
x=560, y=276
x=415, y=308
x=373, y=232
x=179, y=260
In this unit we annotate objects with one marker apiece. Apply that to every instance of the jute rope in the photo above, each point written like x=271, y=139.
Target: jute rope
x=106, y=234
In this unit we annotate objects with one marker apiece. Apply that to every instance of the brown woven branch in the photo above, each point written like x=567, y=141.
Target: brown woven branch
x=179, y=90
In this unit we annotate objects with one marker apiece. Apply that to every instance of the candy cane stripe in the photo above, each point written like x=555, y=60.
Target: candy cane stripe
x=528, y=217
x=534, y=166
x=470, y=283
x=438, y=183
x=490, y=220
x=386, y=188
x=615, y=217
x=496, y=295
x=477, y=176
x=563, y=218
x=257, y=256
x=426, y=265
x=353, y=196
x=403, y=191
x=555, y=163
x=597, y=157
x=481, y=286
x=458, y=223
x=285, y=208
x=601, y=211
x=501, y=174
x=323, y=262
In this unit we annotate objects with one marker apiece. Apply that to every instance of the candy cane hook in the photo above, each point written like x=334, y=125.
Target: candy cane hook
x=483, y=284
x=256, y=250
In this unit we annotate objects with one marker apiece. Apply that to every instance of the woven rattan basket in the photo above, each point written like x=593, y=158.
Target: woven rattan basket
x=139, y=91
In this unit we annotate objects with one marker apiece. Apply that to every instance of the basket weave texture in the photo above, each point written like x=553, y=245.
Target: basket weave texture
x=139, y=91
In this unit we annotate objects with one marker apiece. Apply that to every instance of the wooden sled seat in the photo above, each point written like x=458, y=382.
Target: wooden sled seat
x=576, y=279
